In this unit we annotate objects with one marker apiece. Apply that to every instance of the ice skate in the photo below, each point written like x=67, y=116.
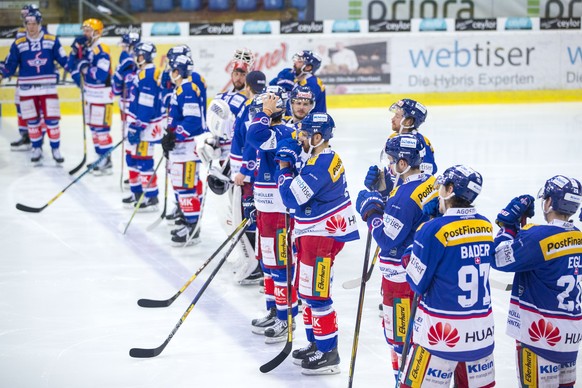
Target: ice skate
x=103, y=167
x=260, y=324
x=302, y=353
x=36, y=155
x=129, y=202
x=321, y=363
x=254, y=278
x=57, y=155
x=185, y=235
x=149, y=204
x=22, y=144
x=278, y=332
x=174, y=215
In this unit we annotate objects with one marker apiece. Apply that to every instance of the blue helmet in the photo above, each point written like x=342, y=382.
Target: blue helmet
x=175, y=51
x=407, y=147
x=309, y=58
x=411, y=109
x=321, y=123
x=566, y=194
x=183, y=64
x=466, y=182
x=257, y=104
x=130, y=39
x=33, y=13
x=147, y=50
x=302, y=92
x=26, y=9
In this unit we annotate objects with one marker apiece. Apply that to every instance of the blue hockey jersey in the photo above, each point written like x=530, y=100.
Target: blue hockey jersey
x=35, y=59
x=242, y=156
x=449, y=267
x=545, y=308
x=402, y=216
x=320, y=198
x=146, y=104
x=123, y=76
x=185, y=115
x=264, y=138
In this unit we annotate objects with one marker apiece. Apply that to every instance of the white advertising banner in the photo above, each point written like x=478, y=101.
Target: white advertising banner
x=486, y=62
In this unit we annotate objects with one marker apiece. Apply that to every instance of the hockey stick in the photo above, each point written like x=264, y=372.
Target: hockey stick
x=165, y=303
x=363, y=281
x=90, y=167
x=142, y=196
x=148, y=353
x=163, y=215
x=279, y=358
x=408, y=338
x=80, y=165
x=353, y=283
x=62, y=83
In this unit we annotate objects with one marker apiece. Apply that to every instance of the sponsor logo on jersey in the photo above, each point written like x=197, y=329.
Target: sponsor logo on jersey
x=529, y=368
x=336, y=223
x=37, y=62
x=420, y=360
x=479, y=335
x=415, y=268
x=544, y=330
x=376, y=222
x=322, y=276
x=424, y=192
x=282, y=247
x=561, y=244
x=480, y=367
x=392, y=226
x=439, y=374
x=443, y=333
x=465, y=231
x=336, y=168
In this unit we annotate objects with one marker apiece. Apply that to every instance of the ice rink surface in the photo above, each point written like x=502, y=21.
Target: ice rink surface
x=69, y=280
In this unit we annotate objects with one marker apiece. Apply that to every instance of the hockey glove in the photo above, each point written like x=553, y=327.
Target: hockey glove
x=378, y=180
x=134, y=132
x=519, y=208
x=78, y=47
x=372, y=178
x=369, y=203
x=249, y=210
x=288, y=150
x=405, y=259
x=431, y=208
x=168, y=142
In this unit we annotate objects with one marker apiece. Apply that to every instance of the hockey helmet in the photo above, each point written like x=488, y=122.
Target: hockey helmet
x=147, y=50
x=410, y=109
x=309, y=58
x=407, y=147
x=257, y=104
x=94, y=24
x=566, y=194
x=183, y=64
x=321, y=123
x=130, y=39
x=467, y=183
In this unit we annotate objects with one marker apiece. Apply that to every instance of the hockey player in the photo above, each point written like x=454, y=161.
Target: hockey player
x=449, y=269
x=324, y=222
x=305, y=64
x=185, y=122
x=408, y=117
x=35, y=55
x=545, y=310
x=176, y=217
x=285, y=79
x=145, y=121
x=302, y=103
x=392, y=217
x=243, y=160
x=264, y=134
x=22, y=144
x=123, y=82
x=90, y=65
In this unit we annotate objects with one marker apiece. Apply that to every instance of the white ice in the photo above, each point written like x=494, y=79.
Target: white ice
x=69, y=280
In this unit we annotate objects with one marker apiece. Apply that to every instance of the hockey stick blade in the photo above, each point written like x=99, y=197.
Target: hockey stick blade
x=275, y=362
x=353, y=283
x=156, y=303
x=30, y=209
x=80, y=166
x=156, y=222
x=499, y=285
x=148, y=353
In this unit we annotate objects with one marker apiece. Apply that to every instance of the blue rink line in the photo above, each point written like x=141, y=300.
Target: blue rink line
x=153, y=253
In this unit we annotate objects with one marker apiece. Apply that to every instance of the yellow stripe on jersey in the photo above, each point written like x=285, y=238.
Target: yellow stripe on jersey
x=465, y=231
x=561, y=244
x=321, y=85
x=49, y=37
x=424, y=192
x=179, y=90
x=336, y=168
x=20, y=40
x=142, y=74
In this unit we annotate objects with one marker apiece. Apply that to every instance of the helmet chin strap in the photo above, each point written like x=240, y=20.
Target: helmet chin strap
x=451, y=195
x=175, y=79
x=402, y=126
x=311, y=146
x=398, y=174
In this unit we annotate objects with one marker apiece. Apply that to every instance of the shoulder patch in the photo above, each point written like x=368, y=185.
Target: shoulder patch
x=142, y=74
x=561, y=245
x=424, y=192
x=20, y=40
x=105, y=48
x=157, y=72
x=336, y=168
x=49, y=37
x=179, y=90
x=321, y=85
